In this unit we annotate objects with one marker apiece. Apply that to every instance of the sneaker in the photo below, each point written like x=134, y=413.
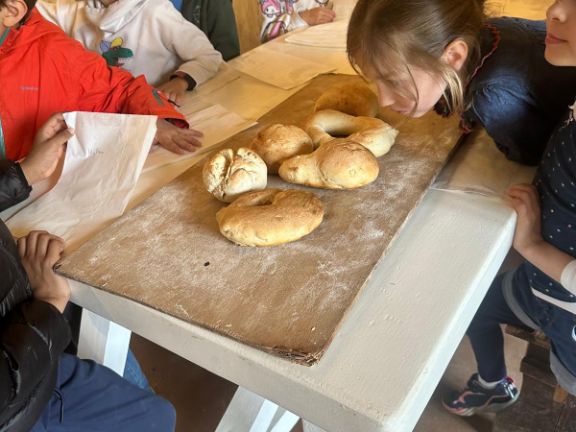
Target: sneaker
x=476, y=398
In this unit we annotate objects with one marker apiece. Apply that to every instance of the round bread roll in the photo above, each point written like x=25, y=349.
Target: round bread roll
x=338, y=164
x=278, y=142
x=354, y=99
x=270, y=217
x=374, y=134
x=227, y=174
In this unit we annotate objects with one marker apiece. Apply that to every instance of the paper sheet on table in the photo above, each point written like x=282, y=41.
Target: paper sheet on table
x=214, y=121
x=277, y=68
x=331, y=35
x=103, y=162
x=479, y=167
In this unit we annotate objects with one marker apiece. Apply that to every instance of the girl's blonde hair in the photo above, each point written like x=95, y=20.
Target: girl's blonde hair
x=388, y=35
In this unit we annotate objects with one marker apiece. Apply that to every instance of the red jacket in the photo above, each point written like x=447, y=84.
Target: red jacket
x=43, y=71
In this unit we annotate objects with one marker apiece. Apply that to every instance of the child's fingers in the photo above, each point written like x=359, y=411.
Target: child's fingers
x=32, y=240
x=53, y=125
x=189, y=143
x=523, y=187
x=326, y=14
x=61, y=137
x=22, y=246
x=517, y=204
x=42, y=245
x=196, y=133
x=54, y=252
x=171, y=146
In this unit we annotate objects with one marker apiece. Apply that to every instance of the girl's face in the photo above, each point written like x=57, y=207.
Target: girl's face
x=426, y=88
x=561, y=33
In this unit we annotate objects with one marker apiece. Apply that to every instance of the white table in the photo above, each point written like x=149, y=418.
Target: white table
x=391, y=351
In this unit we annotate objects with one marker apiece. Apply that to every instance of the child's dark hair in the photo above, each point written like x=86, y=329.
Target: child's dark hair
x=29, y=3
x=388, y=35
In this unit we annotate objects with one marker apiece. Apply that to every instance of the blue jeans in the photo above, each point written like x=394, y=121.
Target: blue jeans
x=133, y=373
x=510, y=301
x=486, y=335
x=91, y=398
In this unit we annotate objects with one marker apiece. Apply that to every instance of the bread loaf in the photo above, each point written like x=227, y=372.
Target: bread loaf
x=277, y=143
x=355, y=99
x=374, y=134
x=338, y=164
x=270, y=217
x=228, y=174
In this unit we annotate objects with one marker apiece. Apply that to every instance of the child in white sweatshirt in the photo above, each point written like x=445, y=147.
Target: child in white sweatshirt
x=145, y=37
x=282, y=16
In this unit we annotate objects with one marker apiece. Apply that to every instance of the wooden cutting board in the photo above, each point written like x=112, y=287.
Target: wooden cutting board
x=167, y=253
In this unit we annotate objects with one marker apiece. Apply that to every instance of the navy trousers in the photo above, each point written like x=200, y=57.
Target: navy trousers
x=486, y=335
x=91, y=398
x=498, y=308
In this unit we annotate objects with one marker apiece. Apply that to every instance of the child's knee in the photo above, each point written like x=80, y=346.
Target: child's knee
x=163, y=414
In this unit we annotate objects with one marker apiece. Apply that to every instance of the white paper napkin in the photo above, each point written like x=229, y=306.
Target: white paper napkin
x=278, y=69
x=102, y=164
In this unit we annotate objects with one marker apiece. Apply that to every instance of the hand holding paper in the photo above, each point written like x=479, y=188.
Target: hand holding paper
x=103, y=161
x=48, y=149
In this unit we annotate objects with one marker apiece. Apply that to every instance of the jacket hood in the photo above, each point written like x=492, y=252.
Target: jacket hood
x=28, y=32
x=113, y=18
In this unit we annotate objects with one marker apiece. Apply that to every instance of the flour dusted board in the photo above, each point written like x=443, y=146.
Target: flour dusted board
x=167, y=253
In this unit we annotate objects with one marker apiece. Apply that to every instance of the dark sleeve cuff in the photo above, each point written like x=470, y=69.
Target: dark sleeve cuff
x=191, y=81
x=47, y=320
x=14, y=186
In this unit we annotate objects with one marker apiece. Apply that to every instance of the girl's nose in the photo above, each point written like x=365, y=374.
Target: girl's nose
x=385, y=96
x=555, y=12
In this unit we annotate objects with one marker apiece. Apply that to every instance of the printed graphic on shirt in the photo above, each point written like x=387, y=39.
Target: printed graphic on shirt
x=574, y=333
x=114, y=52
x=270, y=8
x=277, y=15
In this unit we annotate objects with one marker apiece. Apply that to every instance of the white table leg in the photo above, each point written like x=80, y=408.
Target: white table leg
x=309, y=427
x=103, y=341
x=249, y=412
x=286, y=421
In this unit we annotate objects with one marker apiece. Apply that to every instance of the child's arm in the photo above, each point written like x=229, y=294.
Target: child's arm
x=100, y=88
x=221, y=28
x=528, y=239
x=317, y=15
x=200, y=60
x=305, y=13
x=33, y=331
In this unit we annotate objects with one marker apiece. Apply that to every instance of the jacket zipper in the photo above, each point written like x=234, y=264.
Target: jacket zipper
x=2, y=142
x=2, y=145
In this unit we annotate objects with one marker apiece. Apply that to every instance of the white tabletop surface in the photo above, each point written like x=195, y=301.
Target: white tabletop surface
x=394, y=344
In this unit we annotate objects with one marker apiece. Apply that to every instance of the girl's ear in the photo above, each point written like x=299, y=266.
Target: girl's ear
x=455, y=54
x=14, y=12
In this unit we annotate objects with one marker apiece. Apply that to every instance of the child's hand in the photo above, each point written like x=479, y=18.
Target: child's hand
x=175, y=139
x=39, y=252
x=49, y=146
x=174, y=89
x=319, y=15
x=524, y=199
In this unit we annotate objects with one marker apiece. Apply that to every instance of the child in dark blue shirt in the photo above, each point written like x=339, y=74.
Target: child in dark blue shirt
x=445, y=55
x=541, y=293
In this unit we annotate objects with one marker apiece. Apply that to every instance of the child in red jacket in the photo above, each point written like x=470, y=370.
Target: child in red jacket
x=43, y=71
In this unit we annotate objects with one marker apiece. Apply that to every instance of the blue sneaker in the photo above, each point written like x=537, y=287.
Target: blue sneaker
x=476, y=398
